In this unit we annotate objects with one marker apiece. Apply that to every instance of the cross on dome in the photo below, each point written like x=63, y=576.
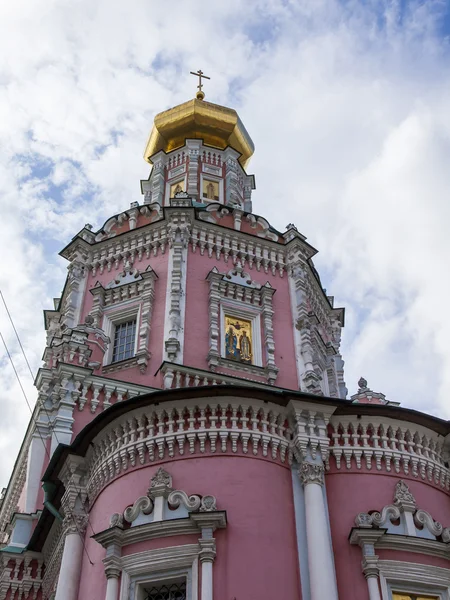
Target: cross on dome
x=199, y=74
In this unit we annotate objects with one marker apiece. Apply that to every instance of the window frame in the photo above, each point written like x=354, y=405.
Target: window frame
x=164, y=578
x=118, y=341
x=413, y=578
x=113, y=318
x=175, y=562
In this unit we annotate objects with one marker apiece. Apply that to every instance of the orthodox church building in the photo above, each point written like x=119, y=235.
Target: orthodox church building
x=193, y=437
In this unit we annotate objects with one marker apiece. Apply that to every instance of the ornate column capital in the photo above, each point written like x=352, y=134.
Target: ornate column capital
x=75, y=523
x=311, y=473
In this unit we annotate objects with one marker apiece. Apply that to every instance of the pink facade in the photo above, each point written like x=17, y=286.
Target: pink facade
x=193, y=405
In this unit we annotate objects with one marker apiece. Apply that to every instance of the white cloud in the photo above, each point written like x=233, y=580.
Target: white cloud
x=346, y=102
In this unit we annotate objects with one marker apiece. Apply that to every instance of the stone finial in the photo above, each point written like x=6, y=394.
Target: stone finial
x=365, y=395
x=403, y=497
x=362, y=384
x=161, y=483
x=89, y=320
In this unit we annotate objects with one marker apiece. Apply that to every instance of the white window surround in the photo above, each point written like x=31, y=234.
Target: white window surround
x=413, y=578
x=240, y=311
x=175, y=562
x=218, y=180
x=114, y=317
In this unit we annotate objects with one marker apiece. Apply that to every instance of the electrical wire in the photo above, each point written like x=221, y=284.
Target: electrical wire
x=45, y=410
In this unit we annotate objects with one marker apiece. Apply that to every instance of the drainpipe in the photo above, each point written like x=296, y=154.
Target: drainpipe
x=49, y=489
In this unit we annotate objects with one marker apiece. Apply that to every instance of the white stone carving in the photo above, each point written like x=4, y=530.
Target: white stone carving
x=143, y=504
x=311, y=473
x=151, y=434
x=236, y=294
x=161, y=488
x=379, y=444
x=404, y=507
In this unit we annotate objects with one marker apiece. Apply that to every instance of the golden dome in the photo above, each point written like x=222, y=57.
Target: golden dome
x=216, y=125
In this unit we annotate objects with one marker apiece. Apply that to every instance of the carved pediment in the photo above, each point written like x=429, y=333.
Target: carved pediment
x=162, y=496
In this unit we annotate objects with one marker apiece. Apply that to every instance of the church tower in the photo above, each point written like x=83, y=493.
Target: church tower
x=191, y=400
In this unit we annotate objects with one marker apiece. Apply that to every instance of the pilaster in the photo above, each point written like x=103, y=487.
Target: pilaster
x=231, y=178
x=193, y=176
x=157, y=178
x=179, y=233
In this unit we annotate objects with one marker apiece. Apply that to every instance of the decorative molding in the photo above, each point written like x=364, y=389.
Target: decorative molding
x=52, y=553
x=234, y=293
x=153, y=433
x=161, y=489
x=386, y=444
x=159, y=561
x=413, y=577
x=178, y=237
x=178, y=376
x=413, y=522
x=121, y=537
x=20, y=576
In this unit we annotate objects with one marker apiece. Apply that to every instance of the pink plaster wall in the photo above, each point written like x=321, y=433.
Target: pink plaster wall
x=350, y=493
x=196, y=331
x=258, y=548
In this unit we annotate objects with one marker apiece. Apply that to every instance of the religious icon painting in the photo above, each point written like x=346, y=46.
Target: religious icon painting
x=238, y=339
x=177, y=187
x=210, y=190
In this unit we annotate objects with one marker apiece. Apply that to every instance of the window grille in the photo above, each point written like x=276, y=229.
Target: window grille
x=124, y=340
x=170, y=591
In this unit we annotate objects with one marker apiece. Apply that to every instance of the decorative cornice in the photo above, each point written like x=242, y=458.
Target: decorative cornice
x=387, y=444
x=160, y=529
x=202, y=427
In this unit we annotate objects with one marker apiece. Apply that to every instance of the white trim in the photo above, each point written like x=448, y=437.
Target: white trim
x=295, y=302
x=115, y=316
x=241, y=311
x=413, y=578
x=157, y=564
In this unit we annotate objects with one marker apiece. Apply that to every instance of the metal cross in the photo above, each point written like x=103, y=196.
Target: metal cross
x=200, y=76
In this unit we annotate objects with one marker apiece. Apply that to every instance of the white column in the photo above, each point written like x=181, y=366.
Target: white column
x=374, y=590
x=36, y=456
x=69, y=575
x=112, y=587
x=207, y=580
x=207, y=555
x=320, y=551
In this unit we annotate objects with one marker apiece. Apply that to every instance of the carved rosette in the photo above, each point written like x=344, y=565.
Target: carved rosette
x=311, y=473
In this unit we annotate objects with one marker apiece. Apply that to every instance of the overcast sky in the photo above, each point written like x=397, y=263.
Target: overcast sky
x=347, y=103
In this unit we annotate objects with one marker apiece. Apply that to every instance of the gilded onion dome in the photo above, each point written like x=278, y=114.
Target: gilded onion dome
x=216, y=125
